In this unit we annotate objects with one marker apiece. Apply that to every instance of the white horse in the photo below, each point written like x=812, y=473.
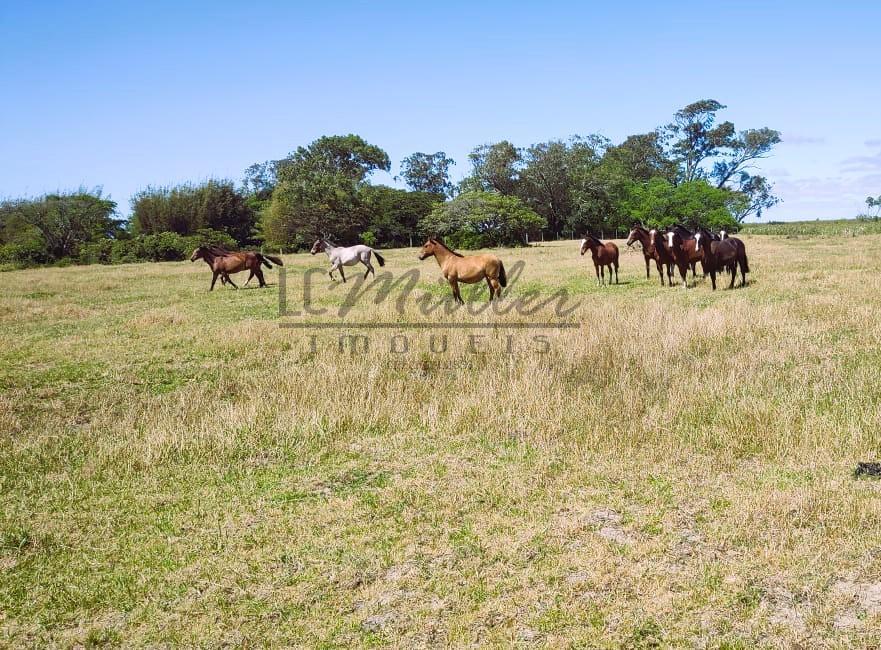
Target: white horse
x=341, y=256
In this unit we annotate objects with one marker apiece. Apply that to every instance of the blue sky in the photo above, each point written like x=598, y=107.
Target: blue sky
x=124, y=95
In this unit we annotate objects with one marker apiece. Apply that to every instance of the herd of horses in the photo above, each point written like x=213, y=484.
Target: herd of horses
x=681, y=248
x=675, y=247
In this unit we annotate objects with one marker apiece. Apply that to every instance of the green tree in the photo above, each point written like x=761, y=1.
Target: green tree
x=424, y=172
x=318, y=188
x=187, y=208
x=495, y=168
x=393, y=215
x=660, y=203
x=696, y=141
x=483, y=219
x=695, y=137
x=55, y=226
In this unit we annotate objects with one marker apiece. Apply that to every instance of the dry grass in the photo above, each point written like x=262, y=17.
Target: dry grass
x=177, y=469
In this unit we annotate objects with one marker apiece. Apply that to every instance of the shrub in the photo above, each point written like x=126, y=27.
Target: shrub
x=481, y=220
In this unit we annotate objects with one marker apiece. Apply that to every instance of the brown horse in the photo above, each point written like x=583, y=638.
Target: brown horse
x=652, y=251
x=473, y=268
x=727, y=253
x=688, y=247
x=641, y=235
x=603, y=255
x=224, y=262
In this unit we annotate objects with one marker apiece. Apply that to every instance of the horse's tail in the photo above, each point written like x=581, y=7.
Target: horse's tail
x=746, y=263
x=379, y=258
x=266, y=259
x=503, y=278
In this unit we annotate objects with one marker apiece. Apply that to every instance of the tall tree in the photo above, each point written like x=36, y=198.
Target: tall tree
x=552, y=173
x=187, y=208
x=318, y=190
x=64, y=222
x=695, y=137
x=495, y=167
x=428, y=172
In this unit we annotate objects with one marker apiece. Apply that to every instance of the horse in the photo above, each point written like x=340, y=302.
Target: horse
x=224, y=262
x=675, y=246
x=640, y=234
x=651, y=252
x=458, y=268
x=726, y=253
x=603, y=255
x=688, y=246
x=341, y=256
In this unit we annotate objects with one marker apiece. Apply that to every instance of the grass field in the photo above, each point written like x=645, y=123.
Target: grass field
x=176, y=469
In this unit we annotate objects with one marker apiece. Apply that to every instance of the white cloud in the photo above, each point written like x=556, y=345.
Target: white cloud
x=861, y=163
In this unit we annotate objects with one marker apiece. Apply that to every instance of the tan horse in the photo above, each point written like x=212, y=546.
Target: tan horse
x=603, y=255
x=224, y=262
x=473, y=268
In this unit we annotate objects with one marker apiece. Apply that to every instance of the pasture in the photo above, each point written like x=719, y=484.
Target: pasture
x=176, y=469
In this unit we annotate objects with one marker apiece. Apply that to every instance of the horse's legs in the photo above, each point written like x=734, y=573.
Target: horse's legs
x=596, y=268
x=369, y=269
x=229, y=279
x=683, y=273
x=616, y=273
x=648, y=273
x=342, y=273
x=249, y=277
x=213, y=280
x=259, y=274
x=694, y=270
x=454, y=285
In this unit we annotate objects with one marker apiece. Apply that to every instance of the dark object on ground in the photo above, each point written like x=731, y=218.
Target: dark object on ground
x=867, y=469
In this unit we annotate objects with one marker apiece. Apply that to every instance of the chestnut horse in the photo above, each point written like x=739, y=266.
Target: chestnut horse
x=652, y=252
x=224, y=262
x=727, y=253
x=603, y=255
x=473, y=268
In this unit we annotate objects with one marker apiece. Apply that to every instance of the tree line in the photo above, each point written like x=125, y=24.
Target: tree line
x=695, y=169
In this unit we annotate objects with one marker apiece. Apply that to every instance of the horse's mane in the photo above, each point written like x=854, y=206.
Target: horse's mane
x=681, y=228
x=217, y=251
x=440, y=242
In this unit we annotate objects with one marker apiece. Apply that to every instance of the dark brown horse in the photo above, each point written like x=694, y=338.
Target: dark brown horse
x=652, y=252
x=728, y=253
x=603, y=255
x=224, y=262
x=468, y=269
x=688, y=246
x=641, y=235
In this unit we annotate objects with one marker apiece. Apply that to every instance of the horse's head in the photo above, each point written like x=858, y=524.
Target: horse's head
x=702, y=238
x=672, y=239
x=723, y=235
x=429, y=248
x=319, y=246
x=198, y=254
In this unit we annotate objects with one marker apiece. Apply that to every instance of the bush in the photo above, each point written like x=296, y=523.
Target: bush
x=482, y=220
x=27, y=254
x=96, y=252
